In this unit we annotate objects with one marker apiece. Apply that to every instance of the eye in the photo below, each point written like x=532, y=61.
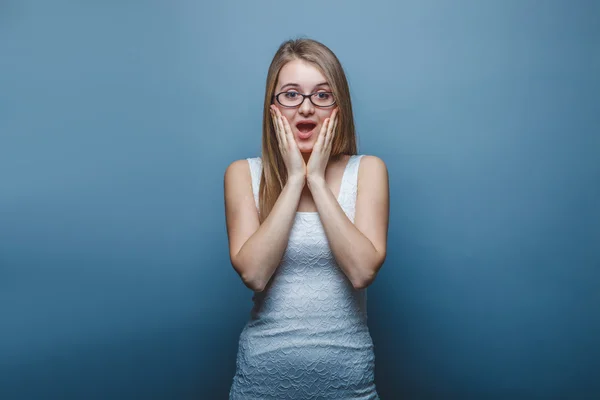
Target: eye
x=323, y=95
x=291, y=95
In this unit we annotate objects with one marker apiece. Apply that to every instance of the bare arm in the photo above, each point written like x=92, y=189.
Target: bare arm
x=256, y=249
x=359, y=248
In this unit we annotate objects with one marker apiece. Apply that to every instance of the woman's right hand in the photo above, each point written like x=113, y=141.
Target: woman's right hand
x=292, y=157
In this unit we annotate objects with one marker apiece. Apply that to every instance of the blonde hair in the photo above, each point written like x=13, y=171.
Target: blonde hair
x=274, y=172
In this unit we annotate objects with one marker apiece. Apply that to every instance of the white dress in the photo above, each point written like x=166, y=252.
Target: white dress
x=307, y=337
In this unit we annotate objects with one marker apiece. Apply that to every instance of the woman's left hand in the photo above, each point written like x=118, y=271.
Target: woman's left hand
x=319, y=158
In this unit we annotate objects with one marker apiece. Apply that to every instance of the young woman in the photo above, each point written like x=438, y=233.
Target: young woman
x=307, y=225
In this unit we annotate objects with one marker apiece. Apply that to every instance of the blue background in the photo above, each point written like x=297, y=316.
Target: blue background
x=118, y=119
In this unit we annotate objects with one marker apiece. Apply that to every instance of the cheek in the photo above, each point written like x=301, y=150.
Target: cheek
x=287, y=114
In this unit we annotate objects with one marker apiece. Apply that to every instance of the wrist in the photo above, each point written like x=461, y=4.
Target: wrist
x=296, y=180
x=315, y=181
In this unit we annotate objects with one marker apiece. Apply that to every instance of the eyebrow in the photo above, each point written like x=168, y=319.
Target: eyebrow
x=295, y=84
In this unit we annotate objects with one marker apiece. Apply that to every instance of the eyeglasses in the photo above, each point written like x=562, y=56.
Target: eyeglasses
x=294, y=99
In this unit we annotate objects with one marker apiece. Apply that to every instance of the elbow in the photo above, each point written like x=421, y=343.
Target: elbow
x=368, y=276
x=363, y=280
x=362, y=283
x=256, y=285
x=250, y=280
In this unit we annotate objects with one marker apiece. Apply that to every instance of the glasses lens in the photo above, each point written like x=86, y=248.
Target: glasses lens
x=290, y=99
x=323, y=99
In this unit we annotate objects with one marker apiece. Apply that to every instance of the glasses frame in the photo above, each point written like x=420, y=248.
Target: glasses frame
x=304, y=96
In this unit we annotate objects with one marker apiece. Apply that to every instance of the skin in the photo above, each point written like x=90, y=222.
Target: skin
x=360, y=247
x=307, y=77
x=306, y=158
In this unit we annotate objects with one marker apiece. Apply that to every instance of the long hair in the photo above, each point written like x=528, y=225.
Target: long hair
x=274, y=172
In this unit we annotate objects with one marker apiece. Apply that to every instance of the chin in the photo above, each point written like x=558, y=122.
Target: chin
x=306, y=148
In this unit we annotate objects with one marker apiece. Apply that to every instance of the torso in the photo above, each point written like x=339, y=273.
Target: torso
x=333, y=177
x=309, y=322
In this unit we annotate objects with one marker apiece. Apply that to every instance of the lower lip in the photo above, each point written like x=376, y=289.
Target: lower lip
x=306, y=135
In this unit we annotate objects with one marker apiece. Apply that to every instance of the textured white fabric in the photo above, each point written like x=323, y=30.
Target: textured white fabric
x=307, y=337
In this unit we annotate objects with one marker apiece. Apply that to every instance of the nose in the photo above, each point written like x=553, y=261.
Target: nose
x=306, y=107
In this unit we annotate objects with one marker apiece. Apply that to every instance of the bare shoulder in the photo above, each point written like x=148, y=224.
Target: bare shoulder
x=373, y=184
x=372, y=168
x=238, y=169
x=238, y=184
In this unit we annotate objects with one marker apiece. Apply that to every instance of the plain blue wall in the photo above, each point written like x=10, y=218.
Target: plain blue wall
x=118, y=119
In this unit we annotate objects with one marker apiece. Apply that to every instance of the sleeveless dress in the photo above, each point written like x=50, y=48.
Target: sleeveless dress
x=307, y=337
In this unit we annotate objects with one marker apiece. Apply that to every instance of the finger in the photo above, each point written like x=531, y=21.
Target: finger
x=275, y=127
x=327, y=138
x=284, y=137
x=334, y=124
x=289, y=133
x=331, y=126
x=322, y=133
x=281, y=131
x=282, y=134
x=333, y=129
x=334, y=118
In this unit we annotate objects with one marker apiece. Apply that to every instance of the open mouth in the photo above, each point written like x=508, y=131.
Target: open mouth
x=306, y=127
x=305, y=130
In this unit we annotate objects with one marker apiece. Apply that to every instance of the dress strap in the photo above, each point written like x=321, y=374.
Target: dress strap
x=349, y=186
x=255, y=164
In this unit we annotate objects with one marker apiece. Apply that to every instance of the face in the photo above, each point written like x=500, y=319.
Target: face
x=301, y=77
